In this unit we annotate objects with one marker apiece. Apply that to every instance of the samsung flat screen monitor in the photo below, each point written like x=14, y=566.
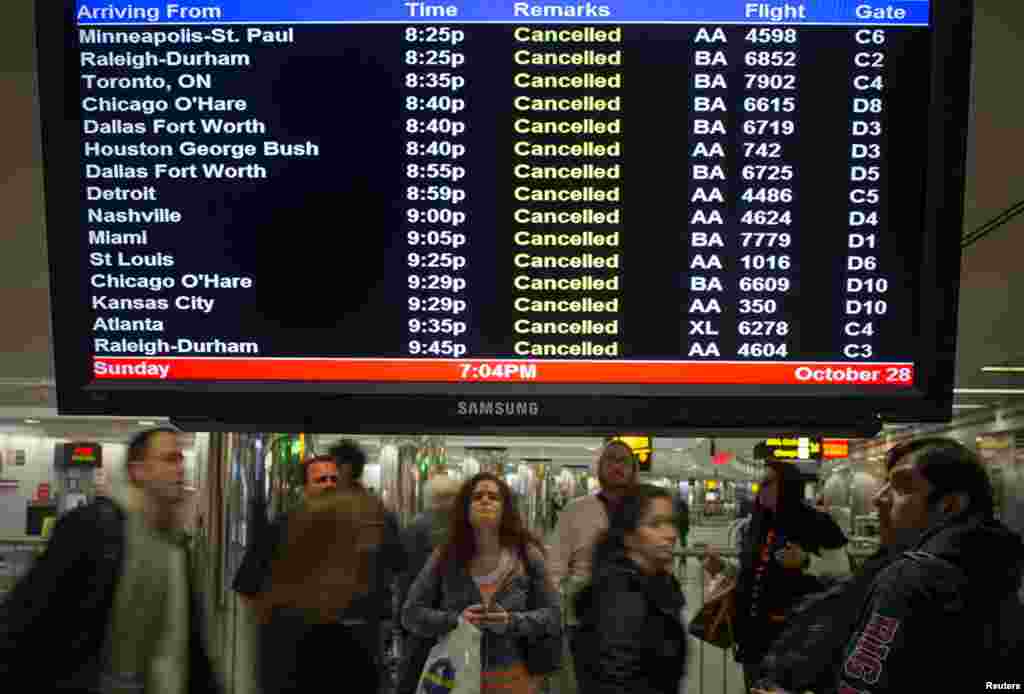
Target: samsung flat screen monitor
x=496, y=215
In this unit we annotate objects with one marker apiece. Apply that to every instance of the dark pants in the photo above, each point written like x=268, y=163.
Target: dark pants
x=415, y=650
x=294, y=655
x=751, y=674
x=579, y=653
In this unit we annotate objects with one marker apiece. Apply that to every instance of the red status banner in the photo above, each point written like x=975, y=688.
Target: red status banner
x=488, y=370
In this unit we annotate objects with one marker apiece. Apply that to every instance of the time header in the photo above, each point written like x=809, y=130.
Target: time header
x=853, y=12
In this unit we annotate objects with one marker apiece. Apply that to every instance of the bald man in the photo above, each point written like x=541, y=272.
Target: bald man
x=579, y=526
x=584, y=519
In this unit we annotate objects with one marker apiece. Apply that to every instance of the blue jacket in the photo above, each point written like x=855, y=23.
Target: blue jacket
x=436, y=600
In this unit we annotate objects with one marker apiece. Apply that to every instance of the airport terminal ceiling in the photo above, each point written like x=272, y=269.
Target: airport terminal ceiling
x=988, y=335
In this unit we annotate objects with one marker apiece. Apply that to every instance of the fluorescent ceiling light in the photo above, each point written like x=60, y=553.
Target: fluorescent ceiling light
x=969, y=407
x=31, y=421
x=147, y=423
x=1003, y=369
x=988, y=391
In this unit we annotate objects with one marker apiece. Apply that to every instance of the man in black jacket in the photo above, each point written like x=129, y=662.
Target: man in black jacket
x=112, y=594
x=926, y=622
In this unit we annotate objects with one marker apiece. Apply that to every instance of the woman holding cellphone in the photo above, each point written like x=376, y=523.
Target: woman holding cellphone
x=491, y=574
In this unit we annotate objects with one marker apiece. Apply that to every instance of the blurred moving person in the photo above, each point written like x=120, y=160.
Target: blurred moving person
x=947, y=606
x=252, y=581
x=320, y=475
x=324, y=565
x=632, y=635
x=681, y=510
x=783, y=550
x=427, y=532
x=339, y=471
x=582, y=522
x=388, y=561
x=109, y=606
x=490, y=573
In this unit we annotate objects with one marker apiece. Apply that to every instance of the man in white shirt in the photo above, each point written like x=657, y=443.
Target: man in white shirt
x=579, y=527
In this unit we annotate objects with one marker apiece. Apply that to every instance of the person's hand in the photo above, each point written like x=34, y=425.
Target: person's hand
x=496, y=619
x=792, y=557
x=473, y=614
x=713, y=563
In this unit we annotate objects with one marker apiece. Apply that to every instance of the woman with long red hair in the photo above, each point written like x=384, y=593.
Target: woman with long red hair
x=491, y=574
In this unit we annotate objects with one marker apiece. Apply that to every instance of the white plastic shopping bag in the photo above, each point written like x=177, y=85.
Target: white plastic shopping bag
x=453, y=666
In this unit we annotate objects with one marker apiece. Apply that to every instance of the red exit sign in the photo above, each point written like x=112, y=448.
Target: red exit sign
x=83, y=454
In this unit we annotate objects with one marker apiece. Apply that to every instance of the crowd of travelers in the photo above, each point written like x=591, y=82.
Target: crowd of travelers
x=110, y=606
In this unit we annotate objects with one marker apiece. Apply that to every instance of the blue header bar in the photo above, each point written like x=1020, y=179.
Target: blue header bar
x=848, y=12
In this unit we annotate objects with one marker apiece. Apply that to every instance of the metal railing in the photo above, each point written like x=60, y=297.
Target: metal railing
x=857, y=553
x=697, y=552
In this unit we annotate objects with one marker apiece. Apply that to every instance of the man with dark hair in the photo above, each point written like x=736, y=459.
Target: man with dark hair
x=112, y=593
x=350, y=458
x=944, y=608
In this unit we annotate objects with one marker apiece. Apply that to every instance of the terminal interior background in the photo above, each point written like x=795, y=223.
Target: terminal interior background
x=222, y=468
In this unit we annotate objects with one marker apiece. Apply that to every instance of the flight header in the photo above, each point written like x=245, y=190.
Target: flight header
x=896, y=13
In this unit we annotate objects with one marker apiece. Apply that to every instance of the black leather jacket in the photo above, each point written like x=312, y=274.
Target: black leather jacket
x=62, y=606
x=920, y=627
x=632, y=635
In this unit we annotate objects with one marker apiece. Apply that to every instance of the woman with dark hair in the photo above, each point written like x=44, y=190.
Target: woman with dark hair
x=632, y=634
x=491, y=574
x=784, y=550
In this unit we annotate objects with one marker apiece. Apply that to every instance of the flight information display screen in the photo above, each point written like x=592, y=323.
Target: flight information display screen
x=612, y=194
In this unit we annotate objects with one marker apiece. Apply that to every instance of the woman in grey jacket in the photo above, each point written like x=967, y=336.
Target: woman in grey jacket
x=491, y=574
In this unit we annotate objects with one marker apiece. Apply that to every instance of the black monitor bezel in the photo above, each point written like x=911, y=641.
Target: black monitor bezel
x=432, y=407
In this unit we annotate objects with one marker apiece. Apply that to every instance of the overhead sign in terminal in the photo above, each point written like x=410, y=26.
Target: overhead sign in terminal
x=798, y=200
x=791, y=448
